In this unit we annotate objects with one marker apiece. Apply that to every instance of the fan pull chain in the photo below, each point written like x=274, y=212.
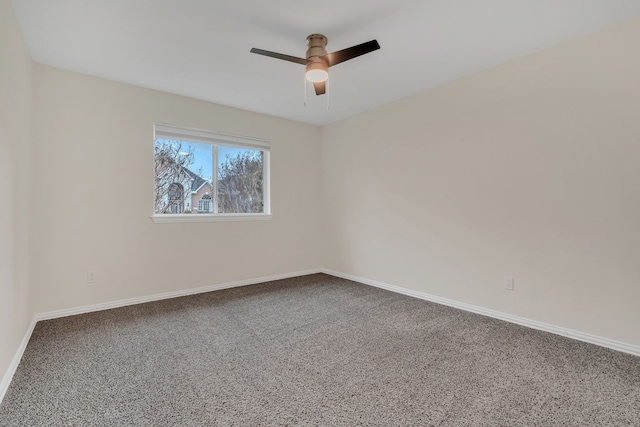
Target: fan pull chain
x=327, y=90
x=305, y=91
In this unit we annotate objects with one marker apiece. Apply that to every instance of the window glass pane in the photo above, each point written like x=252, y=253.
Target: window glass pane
x=240, y=180
x=183, y=176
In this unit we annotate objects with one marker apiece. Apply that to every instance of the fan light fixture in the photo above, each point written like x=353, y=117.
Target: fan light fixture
x=317, y=72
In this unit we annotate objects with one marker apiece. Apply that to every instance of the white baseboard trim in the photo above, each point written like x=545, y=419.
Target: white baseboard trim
x=8, y=376
x=534, y=324
x=11, y=370
x=166, y=295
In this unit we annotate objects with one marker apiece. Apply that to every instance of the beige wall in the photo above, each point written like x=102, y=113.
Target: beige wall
x=94, y=165
x=530, y=170
x=15, y=142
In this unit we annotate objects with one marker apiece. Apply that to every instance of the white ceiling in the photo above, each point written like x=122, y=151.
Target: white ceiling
x=200, y=48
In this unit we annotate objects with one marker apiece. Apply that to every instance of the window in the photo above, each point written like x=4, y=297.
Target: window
x=226, y=177
x=175, y=198
x=205, y=205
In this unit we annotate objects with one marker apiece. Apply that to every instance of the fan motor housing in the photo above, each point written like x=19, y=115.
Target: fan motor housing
x=317, y=44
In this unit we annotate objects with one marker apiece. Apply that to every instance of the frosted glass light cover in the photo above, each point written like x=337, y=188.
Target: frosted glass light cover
x=317, y=75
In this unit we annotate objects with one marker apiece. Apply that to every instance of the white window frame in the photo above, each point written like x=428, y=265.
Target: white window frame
x=166, y=131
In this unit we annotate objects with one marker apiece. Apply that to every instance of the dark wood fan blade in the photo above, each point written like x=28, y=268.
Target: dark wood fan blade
x=280, y=56
x=351, y=52
x=320, y=87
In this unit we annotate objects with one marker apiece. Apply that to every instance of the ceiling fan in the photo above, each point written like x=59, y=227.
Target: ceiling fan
x=318, y=61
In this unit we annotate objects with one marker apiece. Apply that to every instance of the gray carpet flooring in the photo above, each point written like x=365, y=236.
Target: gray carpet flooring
x=313, y=351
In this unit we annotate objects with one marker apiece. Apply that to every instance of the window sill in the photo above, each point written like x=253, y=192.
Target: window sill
x=171, y=218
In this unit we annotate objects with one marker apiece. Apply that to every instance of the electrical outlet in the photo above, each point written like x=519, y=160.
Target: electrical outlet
x=91, y=277
x=508, y=283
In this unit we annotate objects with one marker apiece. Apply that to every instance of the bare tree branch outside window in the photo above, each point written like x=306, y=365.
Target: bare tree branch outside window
x=240, y=180
x=171, y=166
x=240, y=183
